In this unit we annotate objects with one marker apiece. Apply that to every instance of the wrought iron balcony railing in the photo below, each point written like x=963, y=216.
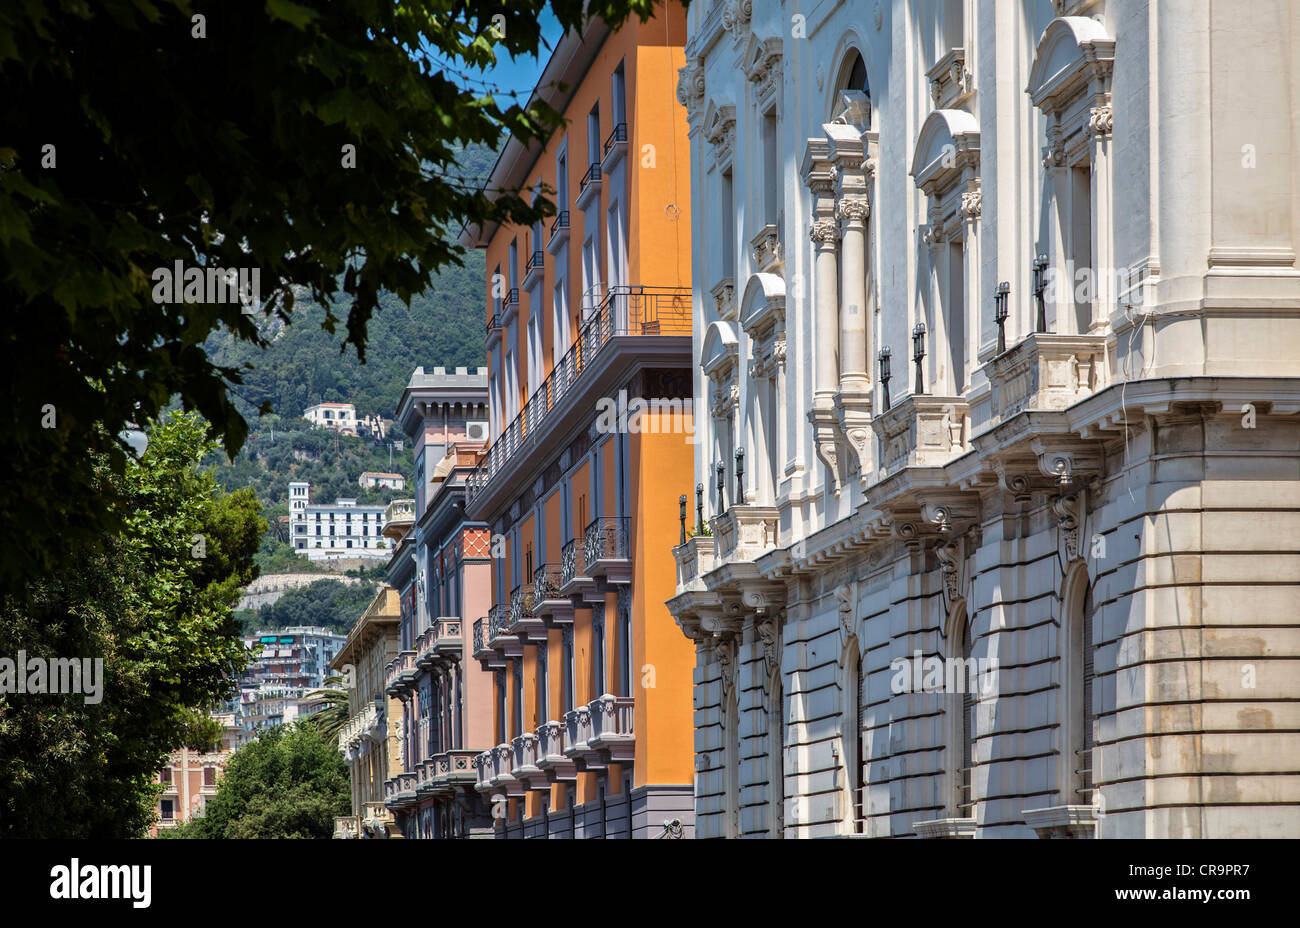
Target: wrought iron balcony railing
x=622, y=311
x=606, y=546
x=618, y=135
x=535, y=261
x=561, y=222
x=591, y=177
x=573, y=565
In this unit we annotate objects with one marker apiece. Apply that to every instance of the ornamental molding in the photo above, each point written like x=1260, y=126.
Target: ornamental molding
x=762, y=66
x=690, y=87
x=1101, y=121
x=823, y=231
x=854, y=209
x=720, y=131
x=736, y=18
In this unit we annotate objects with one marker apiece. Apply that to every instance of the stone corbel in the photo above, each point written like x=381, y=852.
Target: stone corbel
x=826, y=440
x=1020, y=478
x=768, y=636
x=1069, y=464
x=846, y=598
x=952, y=560
x=1069, y=509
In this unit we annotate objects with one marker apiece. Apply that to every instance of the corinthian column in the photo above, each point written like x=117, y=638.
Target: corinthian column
x=853, y=289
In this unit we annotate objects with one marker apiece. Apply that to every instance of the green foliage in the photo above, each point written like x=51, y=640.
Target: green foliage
x=225, y=151
x=289, y=783
x=153, y=601
x=330, y=462
x=302, y=365
x=332, y=713
x=331, y=604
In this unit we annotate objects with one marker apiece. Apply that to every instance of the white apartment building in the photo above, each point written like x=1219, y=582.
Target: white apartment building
x=998, y=316
x=341, y=417
x=387, y=481
x=340, y=529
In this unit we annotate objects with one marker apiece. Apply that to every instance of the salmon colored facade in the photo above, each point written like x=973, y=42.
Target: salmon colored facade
x=589, y=347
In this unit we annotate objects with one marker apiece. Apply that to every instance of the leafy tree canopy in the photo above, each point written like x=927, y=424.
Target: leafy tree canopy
x=134, y=135
x=153, y=601
x=289, y=783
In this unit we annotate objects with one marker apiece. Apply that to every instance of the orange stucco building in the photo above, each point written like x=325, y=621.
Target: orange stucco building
x=589, y=348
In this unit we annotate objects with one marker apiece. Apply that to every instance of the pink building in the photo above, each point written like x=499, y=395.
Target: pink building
x=441, y=568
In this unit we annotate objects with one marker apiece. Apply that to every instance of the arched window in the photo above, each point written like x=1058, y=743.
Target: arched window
x=1076, y=780
x=731, y=826
x=962, y=702
x=852, y=696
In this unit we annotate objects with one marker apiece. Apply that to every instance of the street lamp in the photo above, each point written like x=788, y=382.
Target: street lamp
x=918, y=355
x=1040, y=286
x=1000, y=313
x=883, y=356
x=740, y=476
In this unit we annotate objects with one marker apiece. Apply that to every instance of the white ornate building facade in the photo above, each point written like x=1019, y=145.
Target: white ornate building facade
x=998, y=314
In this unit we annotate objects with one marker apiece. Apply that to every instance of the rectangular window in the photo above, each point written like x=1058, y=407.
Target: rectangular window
x=519, y=697
x=955, y=320
x=168, y=810
x=728, y=236
x=209, y=776
x=618, y=94
x=1080, y=239
x=165, y=775
x=772, y=180
x=593, y=135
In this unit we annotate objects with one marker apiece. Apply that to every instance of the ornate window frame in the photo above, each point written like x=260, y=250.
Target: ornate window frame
x=762, y=317
x=1069, y=82
x=946, y=167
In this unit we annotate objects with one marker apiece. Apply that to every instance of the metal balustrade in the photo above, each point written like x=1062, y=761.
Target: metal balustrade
x=633, y=311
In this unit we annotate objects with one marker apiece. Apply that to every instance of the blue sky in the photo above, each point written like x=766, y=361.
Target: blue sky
x=520, y=74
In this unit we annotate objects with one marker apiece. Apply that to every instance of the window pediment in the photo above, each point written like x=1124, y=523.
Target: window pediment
x=948, y=144
x=763, y=305
x=720, y=130
x=720, y=348
x=1073, y=51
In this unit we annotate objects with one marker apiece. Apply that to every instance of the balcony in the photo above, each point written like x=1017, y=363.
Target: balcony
x=743, y=533
x=577, y=724
x=499, y=637
x=347, y=826
x=448, y=643
x=510, y=306
x=534, y=270
x=400, y=674
x=573, y=568
x=589, y=187
x=503, y=780
x=522, y=621
x=482, y=764
x=694, y=560
x=453, y=769
x=559, y=232
x=766, y=249
x=399, y=516
x=523, y=766
x=606, y=544
x=494, y=325
x=1046, y=372
x=549, y=604
x=615, y=148
x=365, y=725
x=399, y=791
x=611, y=728
x=482, y=650
x=922, y=431
x=551, y=759
x=630, y=324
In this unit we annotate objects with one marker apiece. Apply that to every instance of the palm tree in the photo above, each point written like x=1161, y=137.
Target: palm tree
x=333, y=715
